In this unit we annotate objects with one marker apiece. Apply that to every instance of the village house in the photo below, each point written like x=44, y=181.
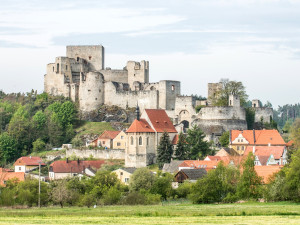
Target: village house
x=198, y=164
x=105, y=140
x=124, y=174
x=27, y=164
x=72, y=168
x=6, y=174
x=241, y=139
x=172, y=167
x=143, y=137
x=191, y=175
x=268, y=155
x=119, y=142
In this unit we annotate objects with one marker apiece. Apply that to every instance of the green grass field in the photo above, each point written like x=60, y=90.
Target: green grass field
x=171, y=213
x=93, y=128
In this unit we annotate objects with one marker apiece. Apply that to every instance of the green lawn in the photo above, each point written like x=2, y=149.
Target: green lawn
x=93, y=128
x=246, y=213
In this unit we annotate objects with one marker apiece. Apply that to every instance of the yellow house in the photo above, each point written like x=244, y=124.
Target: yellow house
x=119, y=142
x=124, y=174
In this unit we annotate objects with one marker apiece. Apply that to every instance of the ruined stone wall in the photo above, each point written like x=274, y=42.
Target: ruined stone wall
x=115, y=75
x=185, y=108
x=137, y=71
x=222, y=113
x=98, y=154
x=212, y=89
x=93, y=54
x=91, y=89
x=145, y=99
x=168, y=91
x=264, y=113
x=54, y=83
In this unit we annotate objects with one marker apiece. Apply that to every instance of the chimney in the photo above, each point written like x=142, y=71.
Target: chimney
x=137, y=112
x=67, y=160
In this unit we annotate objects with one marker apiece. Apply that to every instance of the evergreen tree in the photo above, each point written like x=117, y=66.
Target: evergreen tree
x=164, y=150
x=181, y=148
x=249, y=186
x=197, y=146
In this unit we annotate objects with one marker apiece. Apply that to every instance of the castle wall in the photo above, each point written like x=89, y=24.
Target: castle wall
x=137, y=71
x=185, y=108
x=91, y=94
x=115, y=75
x=145, y=99
x=93, y=55
x=168, y=91
x=222, y=113
x=98, y=154
x=264, y=113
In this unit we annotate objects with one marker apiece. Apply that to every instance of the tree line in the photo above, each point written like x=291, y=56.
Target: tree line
x=34, y=122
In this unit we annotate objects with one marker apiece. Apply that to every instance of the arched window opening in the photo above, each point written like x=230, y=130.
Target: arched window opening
x=147, y=141
x=131, y=140
x=140, y=140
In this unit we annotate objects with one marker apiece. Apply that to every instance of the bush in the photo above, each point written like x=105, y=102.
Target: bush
x=184, y=190
x=88, y=200
x=112, y=196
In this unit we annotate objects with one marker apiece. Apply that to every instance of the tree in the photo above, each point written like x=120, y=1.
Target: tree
x=142, y=178
x=228, y=88
x=163, y=186
x=295, y=133
x=164, y=150
x=292, y=179
x=8, y=145
x=250, y=118
x=181, y=152
x=217, y=186
x=38, y=145
x=60, y=194
x=198, y=148
x=250, y=184
x=224, y=139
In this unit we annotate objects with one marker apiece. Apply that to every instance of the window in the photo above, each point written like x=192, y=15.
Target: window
x=243, y=148
x=53, y=68
x=131, y=140
x=242, y=140
x=66, y=67
x=147, y=141
x=90, y=57
x=118, y=144
x=4, y=182
x=20, y=168
x=238, y=147
x=230, y=103
x=126, y=180
x=77, y=59
x=122, y=137
x=140, y=140
x=103, y=142
x=121, y=173
x=173, y=87
x=57, y=68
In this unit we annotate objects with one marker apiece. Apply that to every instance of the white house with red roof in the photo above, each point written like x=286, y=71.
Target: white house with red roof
x=143, y=137
x=27, y=164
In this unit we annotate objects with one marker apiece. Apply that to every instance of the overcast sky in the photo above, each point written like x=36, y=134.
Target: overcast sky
x=193, y=41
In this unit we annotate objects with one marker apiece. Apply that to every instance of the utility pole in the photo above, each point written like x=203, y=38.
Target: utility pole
x=39, y=185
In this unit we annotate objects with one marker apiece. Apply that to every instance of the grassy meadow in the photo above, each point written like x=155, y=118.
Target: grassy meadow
x=169, y=213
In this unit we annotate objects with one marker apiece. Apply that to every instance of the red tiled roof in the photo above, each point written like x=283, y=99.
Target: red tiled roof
x=262, y=137
x=29, y=161
x=276, y=151
x=72, y=166
x=199, y=164
x=214, y=158
x=160, y=120
x=140, y=126
x=5, y=176
x=108, y=134
x=266, y=171
x=175, y=139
